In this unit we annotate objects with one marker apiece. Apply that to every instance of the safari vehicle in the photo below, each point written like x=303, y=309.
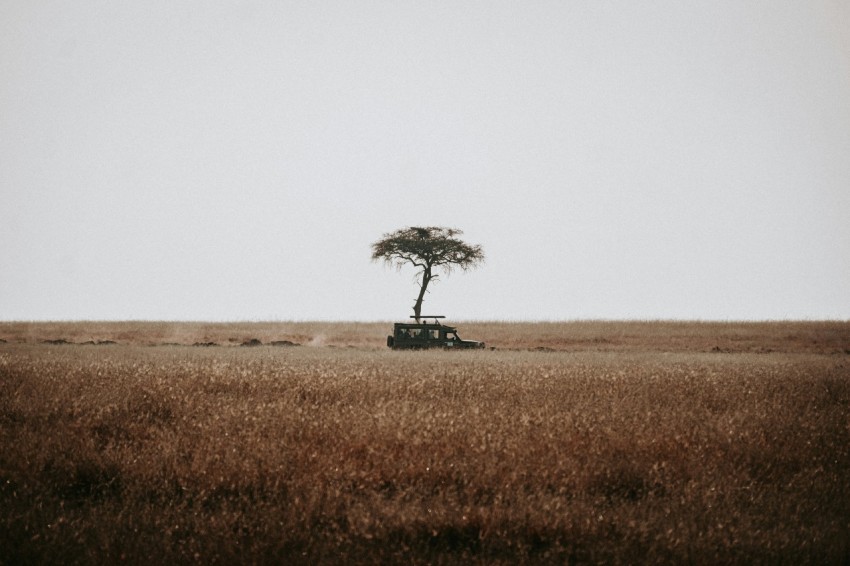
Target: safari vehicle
x=419, y=336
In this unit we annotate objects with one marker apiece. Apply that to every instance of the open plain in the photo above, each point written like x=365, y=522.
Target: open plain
x=574, y=442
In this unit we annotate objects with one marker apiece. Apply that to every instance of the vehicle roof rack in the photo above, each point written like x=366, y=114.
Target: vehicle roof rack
x=429, y=316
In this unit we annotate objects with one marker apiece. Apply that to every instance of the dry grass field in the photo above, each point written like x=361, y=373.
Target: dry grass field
x=582, y=442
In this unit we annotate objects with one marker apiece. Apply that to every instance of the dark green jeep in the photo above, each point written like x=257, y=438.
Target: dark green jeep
x=418, y=336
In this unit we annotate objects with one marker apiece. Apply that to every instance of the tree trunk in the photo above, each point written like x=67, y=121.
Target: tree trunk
x=417, y=306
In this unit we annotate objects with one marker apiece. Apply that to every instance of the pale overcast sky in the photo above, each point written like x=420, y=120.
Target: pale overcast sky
x=235, y=160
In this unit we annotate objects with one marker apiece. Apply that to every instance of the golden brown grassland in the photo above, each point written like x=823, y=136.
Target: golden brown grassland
x=580, y=442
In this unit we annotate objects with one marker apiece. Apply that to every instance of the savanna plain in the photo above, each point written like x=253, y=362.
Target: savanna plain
x=576, y=442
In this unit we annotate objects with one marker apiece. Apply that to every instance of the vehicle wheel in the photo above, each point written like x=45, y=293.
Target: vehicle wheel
x=390, y=341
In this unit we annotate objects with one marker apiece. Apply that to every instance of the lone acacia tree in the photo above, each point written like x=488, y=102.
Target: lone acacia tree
x=429, y=249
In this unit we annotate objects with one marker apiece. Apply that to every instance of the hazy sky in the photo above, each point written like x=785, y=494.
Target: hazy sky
x=235, y=160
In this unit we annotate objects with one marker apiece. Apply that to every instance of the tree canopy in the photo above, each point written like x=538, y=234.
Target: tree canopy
x=429, y=249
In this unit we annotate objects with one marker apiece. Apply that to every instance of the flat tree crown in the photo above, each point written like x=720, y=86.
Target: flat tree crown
x=427, y=247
